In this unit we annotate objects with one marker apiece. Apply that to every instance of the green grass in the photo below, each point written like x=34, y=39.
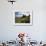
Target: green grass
x=23, y=19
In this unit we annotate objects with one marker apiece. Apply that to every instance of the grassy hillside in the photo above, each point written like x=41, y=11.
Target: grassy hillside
x=23, y=19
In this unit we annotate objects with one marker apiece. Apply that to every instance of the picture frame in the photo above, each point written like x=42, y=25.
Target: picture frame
x=23, y=18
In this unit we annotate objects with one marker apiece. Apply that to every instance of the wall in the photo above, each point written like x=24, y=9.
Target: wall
x=9, y=31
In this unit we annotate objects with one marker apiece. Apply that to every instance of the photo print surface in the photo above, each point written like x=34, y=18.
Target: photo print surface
x=23, y=17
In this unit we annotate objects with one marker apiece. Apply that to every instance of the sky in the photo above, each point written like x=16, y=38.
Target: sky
x=20, y=14
x=9, y=31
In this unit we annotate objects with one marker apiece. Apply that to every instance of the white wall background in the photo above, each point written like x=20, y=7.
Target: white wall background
x=9, y=31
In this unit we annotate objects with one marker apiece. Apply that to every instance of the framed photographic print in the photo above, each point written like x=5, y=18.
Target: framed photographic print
x=23, y=18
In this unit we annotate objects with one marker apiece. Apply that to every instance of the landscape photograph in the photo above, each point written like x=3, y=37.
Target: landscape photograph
x=22, y=17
